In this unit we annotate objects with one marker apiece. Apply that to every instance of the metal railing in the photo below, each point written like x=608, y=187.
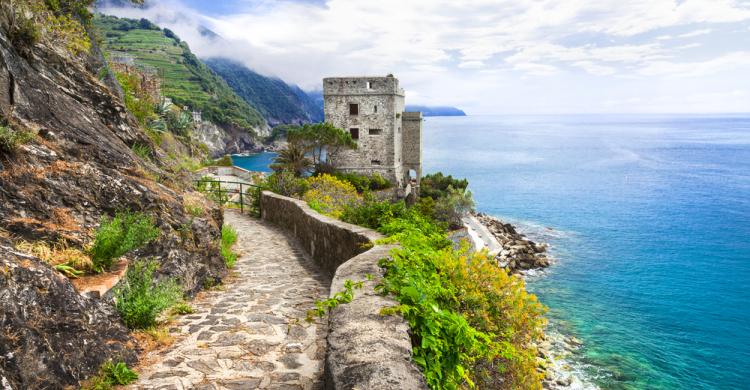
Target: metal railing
x=243, y=195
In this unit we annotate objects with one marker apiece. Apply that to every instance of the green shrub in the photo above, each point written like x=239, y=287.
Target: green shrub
x=10, y=139
x=286, y=183
x=140, y=299
x=374, y=214
x=110, y=375
x=182, y=308
x=472, y=323
x=119, y=235
x=330, y=196
x=452, y=207
x=436, y=185
x=228, y=239
x=225, y=161
x=363, y=182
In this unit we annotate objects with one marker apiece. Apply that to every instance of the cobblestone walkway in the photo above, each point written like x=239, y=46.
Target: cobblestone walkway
x=252, y=334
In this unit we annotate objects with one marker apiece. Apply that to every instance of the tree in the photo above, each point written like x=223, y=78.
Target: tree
x=293, y=159
x=451, y=208
x=321, y=140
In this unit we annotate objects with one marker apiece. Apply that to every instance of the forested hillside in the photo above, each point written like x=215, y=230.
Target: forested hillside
x=185, y=79
x=278, y=101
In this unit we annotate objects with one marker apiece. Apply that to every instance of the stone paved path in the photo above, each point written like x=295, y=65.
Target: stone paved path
x=252, y=334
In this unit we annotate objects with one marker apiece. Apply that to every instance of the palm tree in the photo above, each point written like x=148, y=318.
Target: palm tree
x=293, y=158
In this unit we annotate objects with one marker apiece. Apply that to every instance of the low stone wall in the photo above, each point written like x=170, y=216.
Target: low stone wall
x=242, y=173
x=365, y=349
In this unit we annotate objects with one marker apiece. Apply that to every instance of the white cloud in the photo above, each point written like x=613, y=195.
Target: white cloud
x=463, y=52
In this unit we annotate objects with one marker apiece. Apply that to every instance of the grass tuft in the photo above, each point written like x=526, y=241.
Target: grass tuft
x=139, y=298
x=111, y=375
x=228, y=239
x=119, y=235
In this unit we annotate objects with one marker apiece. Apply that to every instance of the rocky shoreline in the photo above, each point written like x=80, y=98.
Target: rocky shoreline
x=519, y=255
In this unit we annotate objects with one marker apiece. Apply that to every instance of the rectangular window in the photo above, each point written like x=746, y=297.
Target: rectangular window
x=369, y=85
x=375, y=162
x=375, y=109
x=376, y=131
x=353, y=109
x=354, y=132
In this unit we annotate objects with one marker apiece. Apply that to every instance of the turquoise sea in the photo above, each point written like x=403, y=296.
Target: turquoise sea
x=649, y=221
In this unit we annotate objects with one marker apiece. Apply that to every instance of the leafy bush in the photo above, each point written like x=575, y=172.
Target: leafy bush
x=119, y=235
x=228, y=239
x=374, y=214
x=225, y=161
x=472, y=323
x=363, y=182
x=11, y=139
x=286, y=183
x=140, y=299
x=436, y=185
x=110, y=375
x=452, y=207
x=182, y=308
x=137, y=100
x=331, y=196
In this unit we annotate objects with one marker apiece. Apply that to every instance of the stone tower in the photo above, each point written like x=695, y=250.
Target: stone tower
x=389, y=140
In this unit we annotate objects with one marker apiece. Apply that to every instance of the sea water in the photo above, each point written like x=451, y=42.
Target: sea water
x=648, y=218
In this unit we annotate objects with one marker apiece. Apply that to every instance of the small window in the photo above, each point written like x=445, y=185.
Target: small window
x=369, y=85
x=375, y=162
x=375, y=109
x=354, y=132
x=353, y=109
x=399, y=129
x=376, y=131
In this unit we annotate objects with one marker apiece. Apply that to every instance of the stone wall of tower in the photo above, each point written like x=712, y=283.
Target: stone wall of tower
x=412, y=145
x=380, y=103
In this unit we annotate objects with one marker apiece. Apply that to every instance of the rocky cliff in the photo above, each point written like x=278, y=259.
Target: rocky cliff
x=73, y=165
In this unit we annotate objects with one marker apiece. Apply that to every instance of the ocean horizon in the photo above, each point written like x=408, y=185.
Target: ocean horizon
x=648, y=218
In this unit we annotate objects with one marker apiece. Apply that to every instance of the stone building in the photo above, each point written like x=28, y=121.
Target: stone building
x=389, y=140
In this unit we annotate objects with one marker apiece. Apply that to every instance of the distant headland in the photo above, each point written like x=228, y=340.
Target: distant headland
x=437, y=110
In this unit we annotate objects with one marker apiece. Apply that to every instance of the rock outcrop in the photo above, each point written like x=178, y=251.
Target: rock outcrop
x=518, y=253
x=78, y=167
x=50, y=336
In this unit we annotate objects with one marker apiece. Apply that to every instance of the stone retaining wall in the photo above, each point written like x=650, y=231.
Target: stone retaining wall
x=365, y=350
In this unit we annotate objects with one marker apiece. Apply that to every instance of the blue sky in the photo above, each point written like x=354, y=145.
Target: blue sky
x=492, y=56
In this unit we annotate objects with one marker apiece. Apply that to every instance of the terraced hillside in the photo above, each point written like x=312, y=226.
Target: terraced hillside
x=185, y=78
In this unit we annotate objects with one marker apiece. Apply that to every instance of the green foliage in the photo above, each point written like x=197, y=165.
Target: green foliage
x=436, y=185
x=228, y=239
x=195, y=211
x=142, y=151
x=110, y=375
x=11, y=139
x=452, y=207
x=182, y=308
x=119, y=235
x=225, y=161
x=293, y=158
x=363, y=182
x=322, y=307
x=466, y=313
x=445, y=198
x=277, y=101
x=185, y=79
x=330, y=196
x=139, y=298
x=374, y=214
x=472, y=324
x=137, y=100
x=321, y=139
x=286, y=183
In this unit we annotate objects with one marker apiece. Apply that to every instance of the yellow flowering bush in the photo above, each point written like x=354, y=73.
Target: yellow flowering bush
x=331, y=196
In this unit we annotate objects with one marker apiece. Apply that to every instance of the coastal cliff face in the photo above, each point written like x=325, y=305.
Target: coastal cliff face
x=75, y=167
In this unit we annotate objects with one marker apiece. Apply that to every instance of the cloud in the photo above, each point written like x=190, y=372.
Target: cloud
x=468, y=53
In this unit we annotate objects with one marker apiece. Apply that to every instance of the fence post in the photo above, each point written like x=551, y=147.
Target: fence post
x=242, y=202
